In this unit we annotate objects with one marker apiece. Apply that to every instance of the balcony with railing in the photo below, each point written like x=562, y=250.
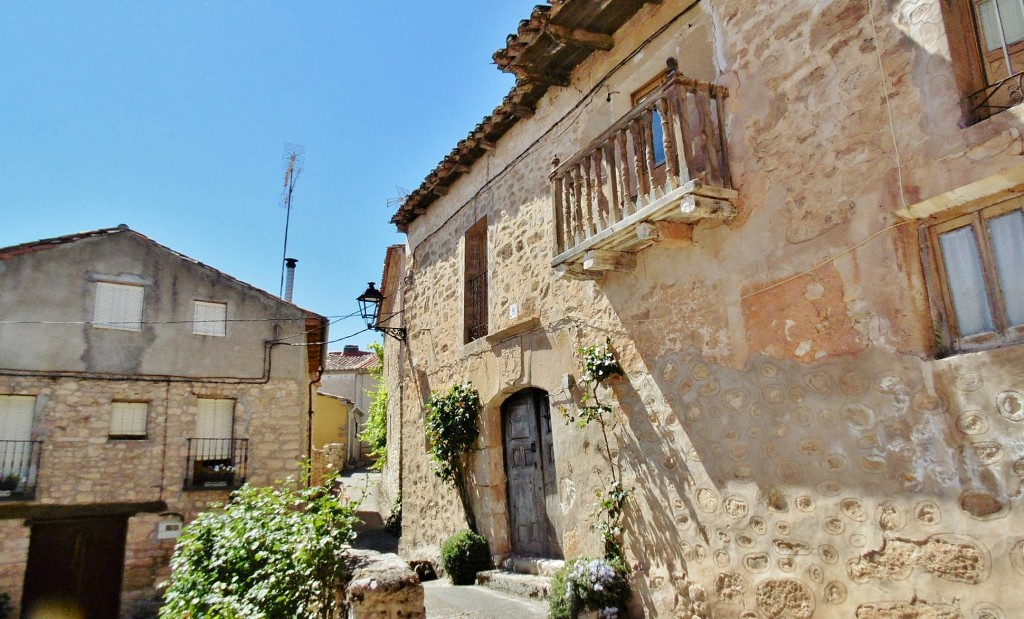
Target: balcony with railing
x=660, y=168
x=216, y=463
x=19, y=465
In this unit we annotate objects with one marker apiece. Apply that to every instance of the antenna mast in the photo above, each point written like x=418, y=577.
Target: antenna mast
x=293, y=160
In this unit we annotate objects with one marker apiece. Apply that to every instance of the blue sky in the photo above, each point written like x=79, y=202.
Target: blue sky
x=172, y=117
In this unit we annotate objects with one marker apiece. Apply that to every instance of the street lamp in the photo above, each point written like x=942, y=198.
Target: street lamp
x=369, y=309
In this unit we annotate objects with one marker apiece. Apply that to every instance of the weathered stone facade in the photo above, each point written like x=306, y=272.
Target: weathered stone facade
x=796, y=443
x=85, y=472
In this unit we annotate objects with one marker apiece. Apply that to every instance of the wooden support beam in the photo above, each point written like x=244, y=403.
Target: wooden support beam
x=486, y=145
x=545, y=78
x=605, y=260
x=521, y=111
x=696, y=207
x=665, y=231
x=440, y=190
x=578, y=36
x=574, y=271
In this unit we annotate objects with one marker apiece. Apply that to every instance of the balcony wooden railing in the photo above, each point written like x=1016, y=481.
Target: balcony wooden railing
x=19, y=465
x=216, y=463
x=624, y=178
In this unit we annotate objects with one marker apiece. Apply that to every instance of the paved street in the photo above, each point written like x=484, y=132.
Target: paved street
x=445, y=601
x=442, y=599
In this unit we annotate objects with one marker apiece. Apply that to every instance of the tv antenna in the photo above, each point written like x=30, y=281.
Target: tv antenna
x=293, y=159
x=399, y=200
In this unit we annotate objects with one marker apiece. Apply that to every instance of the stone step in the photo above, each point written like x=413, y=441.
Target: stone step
x=533, y=565
x=528, y=586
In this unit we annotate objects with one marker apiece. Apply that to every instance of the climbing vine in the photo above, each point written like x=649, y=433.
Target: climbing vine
x=599, y=364
x=376, y=431
x=451, y=428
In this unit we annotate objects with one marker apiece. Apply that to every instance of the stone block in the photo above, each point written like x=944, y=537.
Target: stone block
x=383, y=586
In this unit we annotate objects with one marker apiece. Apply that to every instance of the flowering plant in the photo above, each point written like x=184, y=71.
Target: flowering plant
x=590, y=584
x=599, y=362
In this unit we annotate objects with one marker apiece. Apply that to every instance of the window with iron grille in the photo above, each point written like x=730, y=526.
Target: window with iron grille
x=978, y=256
x=987, y=49
x=475, y=298
x=128, y=420
x=210, y=318
x=118, y=306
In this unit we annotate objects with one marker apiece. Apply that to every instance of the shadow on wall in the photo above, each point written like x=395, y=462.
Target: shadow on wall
x=812, y=478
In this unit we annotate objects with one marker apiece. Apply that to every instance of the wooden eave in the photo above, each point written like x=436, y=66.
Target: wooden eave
x=316, y=349
x=543, y=52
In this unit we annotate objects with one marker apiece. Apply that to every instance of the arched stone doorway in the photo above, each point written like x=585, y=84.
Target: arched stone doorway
x=532, y=483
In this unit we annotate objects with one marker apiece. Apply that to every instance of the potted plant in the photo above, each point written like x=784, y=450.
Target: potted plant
x=215, y=473
x=9, y=483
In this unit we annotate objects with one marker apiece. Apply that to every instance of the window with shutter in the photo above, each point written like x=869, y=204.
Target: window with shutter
x=118, y=306
x=128, y=420
x=16, y=417
x=215, y=418
x=210, y=318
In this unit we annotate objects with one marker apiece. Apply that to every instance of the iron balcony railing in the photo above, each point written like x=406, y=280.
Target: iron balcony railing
x=674, y=136
x=216, y=463
x=19, y=465
x=995, y=98
x=476, y=307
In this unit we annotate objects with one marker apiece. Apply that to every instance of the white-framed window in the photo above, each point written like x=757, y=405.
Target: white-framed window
x=16, y=448
x=16, y=417
x=215, y=418
x=981, y=283
x=118, y=306
x=128, y=420
x=210, y=318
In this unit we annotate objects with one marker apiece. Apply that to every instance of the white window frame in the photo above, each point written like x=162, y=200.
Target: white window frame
x=16, y=415
x=216, y=327
x=125, y=317
x=125, y=422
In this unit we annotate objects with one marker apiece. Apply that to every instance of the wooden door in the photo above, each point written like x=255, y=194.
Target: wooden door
x=75, y=564
x=530, y=471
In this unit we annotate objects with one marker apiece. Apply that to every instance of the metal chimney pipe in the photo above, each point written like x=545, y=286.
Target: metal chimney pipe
x=289, y=282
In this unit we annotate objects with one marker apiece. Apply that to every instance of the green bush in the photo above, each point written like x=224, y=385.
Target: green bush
x=375, y=433
x=463, y=555
x=589, y=584
x=271, y=553
x=451, y=428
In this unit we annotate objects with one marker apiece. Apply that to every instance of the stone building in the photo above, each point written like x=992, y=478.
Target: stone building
x=347, y=375
x=137, y=386
x=799, y=223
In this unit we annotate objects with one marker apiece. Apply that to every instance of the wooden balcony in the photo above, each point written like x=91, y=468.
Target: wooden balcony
x=661, y=167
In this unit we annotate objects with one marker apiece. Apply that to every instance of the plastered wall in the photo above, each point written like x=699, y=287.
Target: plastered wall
x=794, y=445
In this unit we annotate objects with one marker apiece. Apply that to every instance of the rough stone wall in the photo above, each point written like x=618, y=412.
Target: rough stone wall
x=81, y=466
x=794, y=447
x=14, y=537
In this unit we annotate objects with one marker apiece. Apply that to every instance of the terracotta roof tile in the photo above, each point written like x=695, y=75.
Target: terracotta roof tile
x=337, y=361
